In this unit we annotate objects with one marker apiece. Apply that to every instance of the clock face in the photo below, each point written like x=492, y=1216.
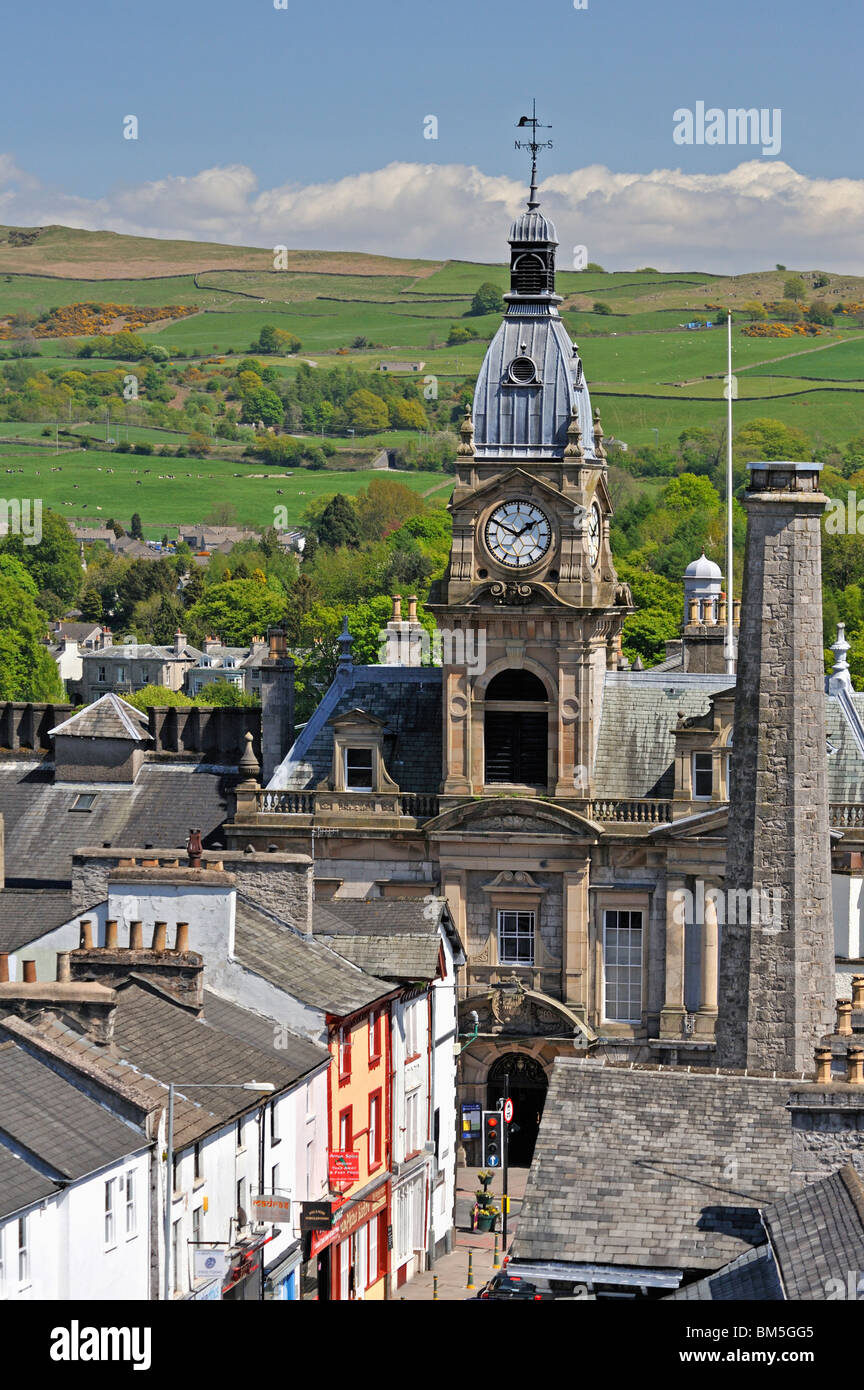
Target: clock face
x=518, y=534
x=594, y=530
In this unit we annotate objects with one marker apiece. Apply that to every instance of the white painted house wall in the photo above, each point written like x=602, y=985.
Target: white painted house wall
x=69, y=1255
x=225, y=1163
x=444, y=1034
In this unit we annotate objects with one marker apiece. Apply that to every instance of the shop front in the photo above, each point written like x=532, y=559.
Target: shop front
x=352, y=1259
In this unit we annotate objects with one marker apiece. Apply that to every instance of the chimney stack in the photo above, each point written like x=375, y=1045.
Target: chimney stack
x=823, y=1066
x=777, y=988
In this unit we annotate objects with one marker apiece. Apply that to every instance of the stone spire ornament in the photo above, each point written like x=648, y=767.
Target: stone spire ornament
x=574, y=447
x=466, y=432
x=599, y=451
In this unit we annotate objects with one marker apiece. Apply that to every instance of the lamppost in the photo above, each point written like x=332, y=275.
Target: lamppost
x=169, y=1154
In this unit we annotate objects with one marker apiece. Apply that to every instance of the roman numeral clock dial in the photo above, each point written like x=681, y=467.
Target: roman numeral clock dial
x=518, y=534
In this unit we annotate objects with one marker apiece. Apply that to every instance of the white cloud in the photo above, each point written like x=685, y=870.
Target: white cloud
x=761, y=212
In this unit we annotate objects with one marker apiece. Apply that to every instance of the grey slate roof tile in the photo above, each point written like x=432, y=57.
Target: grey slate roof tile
x=48, y=1116
x=20, y=1184
x=42, y=832
x=303, y=966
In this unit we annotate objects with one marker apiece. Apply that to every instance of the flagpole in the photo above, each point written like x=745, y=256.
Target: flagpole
x=730, y=636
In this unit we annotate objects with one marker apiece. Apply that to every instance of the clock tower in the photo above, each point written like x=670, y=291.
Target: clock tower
x=530, y=583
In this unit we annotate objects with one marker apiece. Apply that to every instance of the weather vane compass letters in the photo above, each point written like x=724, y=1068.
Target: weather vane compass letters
x=533, y=145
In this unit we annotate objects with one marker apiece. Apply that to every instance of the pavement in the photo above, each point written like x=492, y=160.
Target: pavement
x=451, y=1271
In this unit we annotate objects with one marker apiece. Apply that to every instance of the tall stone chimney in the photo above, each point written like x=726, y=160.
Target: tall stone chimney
x=277, y=704
x=776, y=986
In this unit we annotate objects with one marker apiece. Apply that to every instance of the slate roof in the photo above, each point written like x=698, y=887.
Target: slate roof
x=77, y=632
x=42, y=832
x=260, y=1032
x=636, y=747
x=408, y=702
x=165, y=1041
x=141, y=651
x=20, y=1184
x=55, y=1122
x=654, y=1167
x=26, y=915
x=752, y=1278
x=818, y=1233
x=107, y=717
x=392, y=938
x=304, y=967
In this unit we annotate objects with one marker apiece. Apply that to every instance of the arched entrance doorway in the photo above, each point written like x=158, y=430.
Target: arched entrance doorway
x=528, y=1087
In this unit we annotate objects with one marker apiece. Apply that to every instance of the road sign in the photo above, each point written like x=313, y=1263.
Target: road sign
x=508, y=1111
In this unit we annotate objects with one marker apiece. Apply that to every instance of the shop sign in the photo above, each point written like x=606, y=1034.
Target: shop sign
x=316, y=1216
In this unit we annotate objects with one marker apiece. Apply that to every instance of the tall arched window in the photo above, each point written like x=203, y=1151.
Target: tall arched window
x=516, y=729
x=529, y=274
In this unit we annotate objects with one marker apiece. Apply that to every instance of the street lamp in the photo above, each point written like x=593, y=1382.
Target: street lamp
x=169, y=1153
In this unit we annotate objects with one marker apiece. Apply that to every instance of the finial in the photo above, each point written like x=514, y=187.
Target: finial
x=345, y=664
x=599, y=451
x=248, y=764
x=574, y=447
x=533, y=145
x=466, y=432
x=840, y=678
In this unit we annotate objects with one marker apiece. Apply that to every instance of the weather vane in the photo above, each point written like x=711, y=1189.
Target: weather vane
x=533, y=145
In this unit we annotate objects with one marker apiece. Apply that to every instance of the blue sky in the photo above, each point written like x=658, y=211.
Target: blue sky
x=318, y=92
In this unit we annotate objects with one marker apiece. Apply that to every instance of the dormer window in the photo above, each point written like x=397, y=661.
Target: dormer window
x=358, y=769
x=523, y=370
x=703, y=776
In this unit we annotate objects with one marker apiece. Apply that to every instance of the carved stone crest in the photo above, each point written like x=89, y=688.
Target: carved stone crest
x=510, y=592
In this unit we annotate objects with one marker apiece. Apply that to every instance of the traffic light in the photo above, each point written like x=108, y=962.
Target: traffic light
x=492, y=1139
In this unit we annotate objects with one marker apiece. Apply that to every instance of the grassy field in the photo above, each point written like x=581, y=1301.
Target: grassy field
x=650, y=377
x=89, y=486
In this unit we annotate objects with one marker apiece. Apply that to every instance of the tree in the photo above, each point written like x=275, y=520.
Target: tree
x=221, y=514
x=487, y=300
x=753, y=309
x=265, y=405
x=600, y=308
x=135, y=530
x=764, y=438
x=794, y=287
x=151, y=696
x=408, y=415
x=460, y=333
x=367, y=413
x=91, y=607
x=53, y=563
x=27, y=670
x=238, y=610
x=198, y=444
x=272, y=339
x=225, y=693
x=338, y=524
x=820, y=311
x=659, y=604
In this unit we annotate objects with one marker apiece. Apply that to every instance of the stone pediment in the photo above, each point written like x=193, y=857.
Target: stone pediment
x=514, y=815
x=529, y=482
x=512, y=1010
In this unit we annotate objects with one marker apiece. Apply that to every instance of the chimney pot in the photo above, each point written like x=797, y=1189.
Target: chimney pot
x=136, y=936
x=397, y=608
x=86, y=940
x=858, y=991
x=64, y=970
x=29, y=972
x=412, y=608
x=4, y=967
x=160, y=936
x=855, y=1066
x=181, y=941
x=844, y=1018
x=823, y=1066
x=111, y=934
